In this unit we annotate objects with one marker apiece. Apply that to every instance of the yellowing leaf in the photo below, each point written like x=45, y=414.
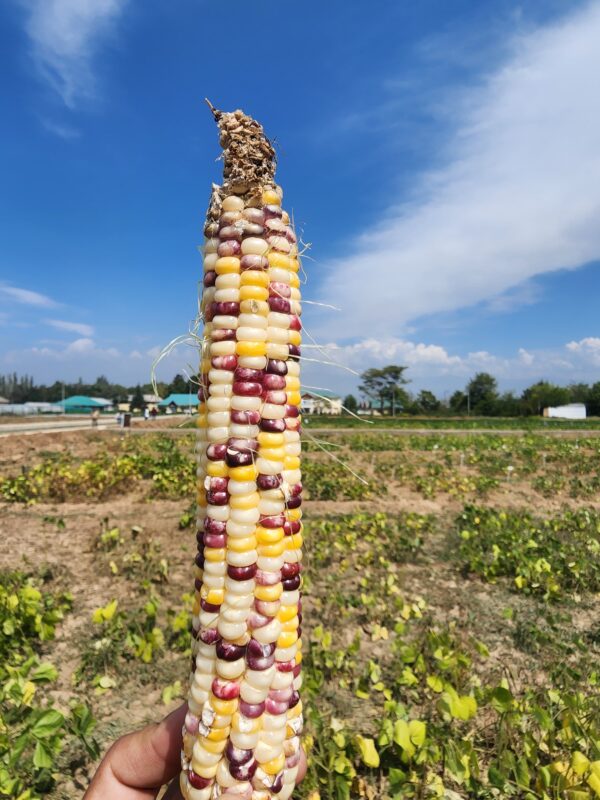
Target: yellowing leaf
x=369, y=754
x=418, y=731
x=579, y=763
x=402, y=737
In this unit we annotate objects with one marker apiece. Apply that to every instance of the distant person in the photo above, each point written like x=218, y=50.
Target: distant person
x=154, y=413
x=95, y=416
x=146, y=413
x=119, y=419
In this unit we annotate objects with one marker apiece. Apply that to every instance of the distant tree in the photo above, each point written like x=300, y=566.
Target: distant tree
x=427, y=402
x=351, y=403
x=508, y=405
x=593, y=401
x=482, y=394
x=541, y=395
x=579, y=393
x=458, y=402
x=385, y=385
x=179, y=385
x=137, y=401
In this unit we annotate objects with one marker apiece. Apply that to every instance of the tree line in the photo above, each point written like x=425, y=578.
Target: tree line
x=23, y=389
x=384, y=390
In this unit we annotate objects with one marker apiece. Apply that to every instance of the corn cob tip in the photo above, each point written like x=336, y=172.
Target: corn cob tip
x=249, y=159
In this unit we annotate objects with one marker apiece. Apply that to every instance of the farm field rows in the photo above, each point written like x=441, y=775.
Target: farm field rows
x=451, y=625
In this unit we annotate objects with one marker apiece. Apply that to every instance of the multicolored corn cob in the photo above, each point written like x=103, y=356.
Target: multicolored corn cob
x=241, y=734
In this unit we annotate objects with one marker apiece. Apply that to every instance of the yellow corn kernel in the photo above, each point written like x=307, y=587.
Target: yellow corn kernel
x=279, y=260
x=294, y=542
x=269, y=535
x=244, y=501
x=291, y=462
x=251, y=348
x=243, y=474
x=201, y=499
x=272, y=453
x=214, y=554
x=272, y=550
x=218, y=735
x=202, y=421
x=271, y=198
x=254, y=277
x=290, y=625
x=294, y=398
x=295, y=337
x=296, y=710
x=292, y=384
x=227, y=265
x=270, y=439
x=294, y=513
x=275, y=765
x=217, y=469
x=287, y=638
x=286, y=613
x=243, y=545
x=268, y=593
x=298, y=658
x=253, y=293
x=215, y=596
x=212, y=746
x=196, y=606
x=224, y=707
x=295, y=268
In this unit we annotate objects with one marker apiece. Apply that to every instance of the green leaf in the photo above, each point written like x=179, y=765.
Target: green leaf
x=368, y=752
x=48, y=724
x=402, y=737
x=45, y=672
x=501, y=700
x=42, y=756
x=418, y=731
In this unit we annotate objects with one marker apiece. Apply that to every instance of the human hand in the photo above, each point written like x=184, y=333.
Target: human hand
x=139, y=764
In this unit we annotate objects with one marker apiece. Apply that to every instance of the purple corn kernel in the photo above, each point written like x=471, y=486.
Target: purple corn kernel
x=277, y=784
x=295, y=324
x=259, y=650
x=247, y=388
x=227, y=651
x=273, y=707
x=216, y=452
x=241, y=573
x=291, y=526
x=223, y=335
x=247, y=374
x=281, y=695
x=224, y=362
x=296, y=489
x=209, y=636
x=225, y=690
x=259, y=664
x=277, y=398
x=272, y=425
x=197, y=584
x=272, y=211
x=197, y=781
x=209, y=278
x=256, y=620
x=251, y=710
x=214, y=526
x=230, y=247
x=279, y=305
x=266, y=482
x=243, y=772
x=278, y=289
x=273, y=382
x=217, y=540
x=294, y=502
x=297, y=670
x=294, y=351
x=199, y=560
x=238, y=459
x=291, y=584
x=245, y=417
x=227, y=309
x=292, y=411
x=294, y=699
x=276, y=366
x=290, y=570
x=267, y=578
x=275, y=521
x=236, y=755
x=212, y=608
x=285, y=666
x=217, y=498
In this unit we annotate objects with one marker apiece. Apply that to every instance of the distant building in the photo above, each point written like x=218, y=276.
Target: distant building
x=3, y=400
x=321, y=402
x=80, y=404
x=151, y=401
x=179, y=402
x=570, y=411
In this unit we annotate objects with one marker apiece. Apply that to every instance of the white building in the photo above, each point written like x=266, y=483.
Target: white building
x=570, y=411
x=321, y=402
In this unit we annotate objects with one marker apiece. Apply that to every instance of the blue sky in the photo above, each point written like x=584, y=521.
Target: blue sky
x=442, y=159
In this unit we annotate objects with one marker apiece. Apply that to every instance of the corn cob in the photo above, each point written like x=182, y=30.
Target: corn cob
x=241, y=734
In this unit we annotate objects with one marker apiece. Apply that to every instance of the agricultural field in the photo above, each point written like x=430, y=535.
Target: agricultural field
x=451, y=624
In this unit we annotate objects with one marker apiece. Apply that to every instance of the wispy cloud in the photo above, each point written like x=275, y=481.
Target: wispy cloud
x=65, y=36
x=66, y=132
x=27, y=297
x=518, y=196
x=73, y=327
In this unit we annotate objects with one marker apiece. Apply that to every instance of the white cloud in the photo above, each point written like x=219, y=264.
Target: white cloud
x=588, y=349
x=66, y=132
x=65, y=36
x=74, y=327
x=519, y=194
x=27, y=297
